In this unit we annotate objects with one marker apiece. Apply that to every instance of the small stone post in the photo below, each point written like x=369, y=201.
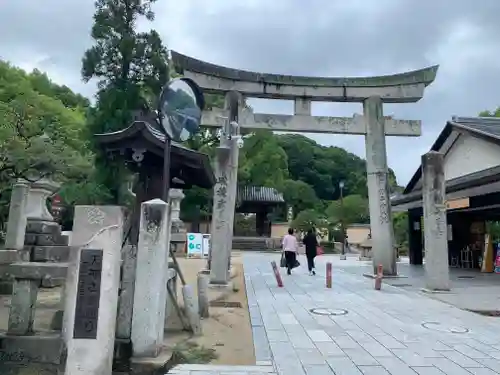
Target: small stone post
x=126, y=298
x=22, y=307
x=16, y=226
x=378, y=187
x=435, y=228
x=203, y=302
x=171, y=299
x=192, y=310
x=96, y=227
x=148, y=317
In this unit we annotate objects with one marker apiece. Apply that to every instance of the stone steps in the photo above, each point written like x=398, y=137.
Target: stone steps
x=249, y=244
x=191, y=369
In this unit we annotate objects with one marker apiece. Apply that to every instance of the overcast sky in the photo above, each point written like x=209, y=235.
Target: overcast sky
x=303, y=37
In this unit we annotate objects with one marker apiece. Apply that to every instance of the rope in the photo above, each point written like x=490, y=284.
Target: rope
x=100, y=231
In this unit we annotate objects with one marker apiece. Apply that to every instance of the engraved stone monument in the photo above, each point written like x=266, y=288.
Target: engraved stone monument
x=91, y=293
x=435, y=233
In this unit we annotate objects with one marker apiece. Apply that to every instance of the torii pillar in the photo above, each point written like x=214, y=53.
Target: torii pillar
x=225, y=190
x=378, y=187
x=372, y=92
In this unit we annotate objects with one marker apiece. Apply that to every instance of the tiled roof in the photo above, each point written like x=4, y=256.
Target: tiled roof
x=488, y=126
x=161, y=137
x=259, y=194
x=194, y=167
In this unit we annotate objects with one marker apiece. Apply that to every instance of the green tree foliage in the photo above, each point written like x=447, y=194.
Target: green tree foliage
x=495, y=113
x=264, y=162
x=300, y=169
x=130, y=66
x=43, y=85
x=353, y=210
x=400, y=225
x=308, y=219
x=299, y=195
x=324, y=167
x=40, y=136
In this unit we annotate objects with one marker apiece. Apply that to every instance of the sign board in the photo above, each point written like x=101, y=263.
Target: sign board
x=454, y=204
x=206, y=245
x=88, y=294
x=194, y=245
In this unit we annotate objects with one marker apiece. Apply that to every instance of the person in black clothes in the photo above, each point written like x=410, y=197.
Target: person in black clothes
x=311, y=244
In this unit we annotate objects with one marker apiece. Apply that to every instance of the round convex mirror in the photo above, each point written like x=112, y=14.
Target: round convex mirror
x=180, y=108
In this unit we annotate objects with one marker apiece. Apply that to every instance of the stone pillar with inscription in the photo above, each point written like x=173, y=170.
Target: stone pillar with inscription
x=435, y=227
x=219, y=257
x=225, y=190
x=148, y=316
x=91, y=293
x=378, y=188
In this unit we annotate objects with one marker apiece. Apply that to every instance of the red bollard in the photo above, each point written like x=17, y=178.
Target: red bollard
x=277, y=274
x=328, y=275
x=379, y=277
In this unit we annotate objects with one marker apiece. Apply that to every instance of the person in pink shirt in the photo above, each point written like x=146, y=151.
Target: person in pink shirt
x=290, y=247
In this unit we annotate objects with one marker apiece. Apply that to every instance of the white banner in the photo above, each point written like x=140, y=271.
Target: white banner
x=206, y=245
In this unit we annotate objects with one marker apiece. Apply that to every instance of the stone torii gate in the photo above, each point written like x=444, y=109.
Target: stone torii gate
x=371, y=91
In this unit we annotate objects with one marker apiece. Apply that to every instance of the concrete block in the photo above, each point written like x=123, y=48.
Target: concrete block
x=34, y=270
x=23, y=350
x=50, y=253
x=43, y=227
x=8, y=256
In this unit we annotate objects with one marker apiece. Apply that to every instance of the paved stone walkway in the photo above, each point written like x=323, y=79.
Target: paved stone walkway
x=381, y=333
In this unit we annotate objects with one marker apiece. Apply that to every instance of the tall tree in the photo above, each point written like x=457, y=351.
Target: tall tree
x=353, y=209
x=299, y=195
x=264, y=162
x=495, y=113
x=130, y=66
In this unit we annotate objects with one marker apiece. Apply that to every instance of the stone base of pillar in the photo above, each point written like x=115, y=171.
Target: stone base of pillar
x=343, y=257
x=373, y=276
x=430, y=291
x=140, y=366
x=228, y=286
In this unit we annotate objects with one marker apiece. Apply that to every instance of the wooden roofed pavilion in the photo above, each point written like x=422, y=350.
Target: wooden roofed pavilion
x=259, y=200
x=141, y=145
